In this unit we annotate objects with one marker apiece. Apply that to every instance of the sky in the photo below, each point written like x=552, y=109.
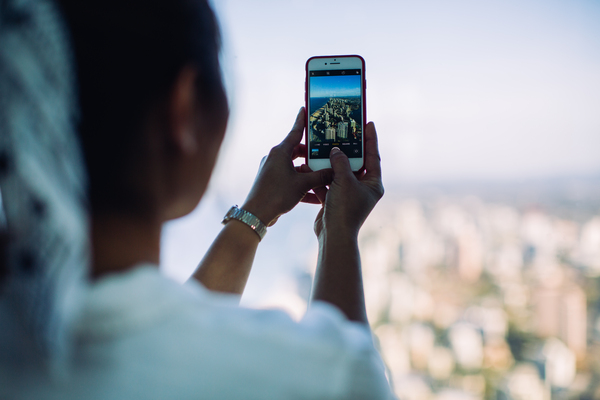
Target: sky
x=458, y=90
x=326, y=86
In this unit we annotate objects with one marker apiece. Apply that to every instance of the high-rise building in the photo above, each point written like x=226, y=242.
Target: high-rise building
x=561, y=312
x=353, y=125
x=329, y=134
x=342, y=130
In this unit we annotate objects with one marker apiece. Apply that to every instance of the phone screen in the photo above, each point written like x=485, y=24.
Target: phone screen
x=335, y=112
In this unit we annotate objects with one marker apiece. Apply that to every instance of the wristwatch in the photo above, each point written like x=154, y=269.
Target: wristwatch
x=249, y=219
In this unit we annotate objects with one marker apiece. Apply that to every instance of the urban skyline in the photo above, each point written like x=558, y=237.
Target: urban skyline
x=335, y=121
x=484, y=300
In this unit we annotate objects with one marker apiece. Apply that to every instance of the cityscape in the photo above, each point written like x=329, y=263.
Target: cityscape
x=338, y=119
x=476, y=299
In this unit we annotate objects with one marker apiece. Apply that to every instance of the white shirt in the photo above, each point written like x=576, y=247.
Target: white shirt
x=143, y=336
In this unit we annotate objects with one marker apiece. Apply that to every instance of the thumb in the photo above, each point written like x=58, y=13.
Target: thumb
x=311, y=180
x=339, y=162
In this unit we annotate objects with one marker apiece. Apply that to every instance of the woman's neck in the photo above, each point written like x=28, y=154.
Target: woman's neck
x=119, y=242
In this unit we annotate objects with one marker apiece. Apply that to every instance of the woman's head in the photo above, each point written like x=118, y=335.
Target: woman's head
x=153, y=108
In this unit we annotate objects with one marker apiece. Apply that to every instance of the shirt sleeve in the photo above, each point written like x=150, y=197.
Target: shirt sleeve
x=364, y=374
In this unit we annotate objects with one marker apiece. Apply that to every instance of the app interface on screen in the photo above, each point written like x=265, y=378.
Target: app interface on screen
x=335, y=112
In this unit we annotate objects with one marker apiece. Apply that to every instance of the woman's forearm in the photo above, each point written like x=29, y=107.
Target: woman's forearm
x=338, y=279
x=227, y=263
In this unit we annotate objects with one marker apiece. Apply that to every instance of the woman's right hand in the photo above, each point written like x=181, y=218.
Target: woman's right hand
x=350, y=197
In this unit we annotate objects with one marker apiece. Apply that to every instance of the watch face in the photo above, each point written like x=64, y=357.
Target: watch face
x=230, y=214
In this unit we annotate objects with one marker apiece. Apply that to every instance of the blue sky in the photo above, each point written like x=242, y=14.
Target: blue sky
x=325, y=86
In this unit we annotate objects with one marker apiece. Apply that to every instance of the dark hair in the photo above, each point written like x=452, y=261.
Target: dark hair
x=128, y=55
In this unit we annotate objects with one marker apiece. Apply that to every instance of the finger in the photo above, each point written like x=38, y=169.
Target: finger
x=372, y=157
x=303, y=168
x=310, y=198
x=340, y=163
x=262, y=163
x=318, y=226
x=321, y=193
x=360, y=173
x=299, y=151
x=295, y=136
x=310, y=180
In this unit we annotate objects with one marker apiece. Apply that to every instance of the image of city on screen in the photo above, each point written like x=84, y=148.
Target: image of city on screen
x=335, y=114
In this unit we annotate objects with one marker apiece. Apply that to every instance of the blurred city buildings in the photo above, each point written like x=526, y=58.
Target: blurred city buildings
x=471, y=299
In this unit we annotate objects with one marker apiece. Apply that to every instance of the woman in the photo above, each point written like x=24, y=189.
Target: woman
x=153, y=116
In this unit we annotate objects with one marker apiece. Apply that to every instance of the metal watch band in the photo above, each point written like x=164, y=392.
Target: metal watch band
x=249, y=219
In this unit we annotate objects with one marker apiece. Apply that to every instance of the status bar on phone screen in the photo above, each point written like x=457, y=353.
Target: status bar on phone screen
x=335, y=72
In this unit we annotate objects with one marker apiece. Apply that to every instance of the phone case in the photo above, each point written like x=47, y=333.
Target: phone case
x=364, y=96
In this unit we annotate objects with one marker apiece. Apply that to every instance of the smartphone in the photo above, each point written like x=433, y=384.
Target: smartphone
x=335, y=91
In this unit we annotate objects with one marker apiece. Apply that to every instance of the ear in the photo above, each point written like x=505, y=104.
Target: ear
x=182, y=111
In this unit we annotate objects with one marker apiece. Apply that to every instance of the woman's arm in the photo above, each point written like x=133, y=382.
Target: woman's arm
x=278, y=187
x=346, y=205
x=227, y=263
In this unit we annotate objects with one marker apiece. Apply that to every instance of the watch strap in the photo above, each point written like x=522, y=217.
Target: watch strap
x=247, y=218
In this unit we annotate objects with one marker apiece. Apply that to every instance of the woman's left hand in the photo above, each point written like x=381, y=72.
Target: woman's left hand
x=279, y=186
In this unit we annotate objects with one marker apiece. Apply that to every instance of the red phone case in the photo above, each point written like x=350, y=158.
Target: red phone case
x=364, y=96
